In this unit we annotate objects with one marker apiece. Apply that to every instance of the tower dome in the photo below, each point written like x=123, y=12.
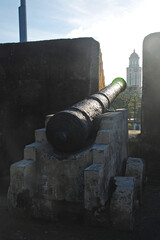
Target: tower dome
x=134, y=55
x=134, y=59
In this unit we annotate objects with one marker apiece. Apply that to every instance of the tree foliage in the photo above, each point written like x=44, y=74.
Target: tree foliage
x=131, y=100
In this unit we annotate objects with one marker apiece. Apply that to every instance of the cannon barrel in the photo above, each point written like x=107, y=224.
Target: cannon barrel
x=68, y=130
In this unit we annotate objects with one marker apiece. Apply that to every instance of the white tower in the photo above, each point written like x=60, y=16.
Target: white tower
x=23, y=22
x=134, y=71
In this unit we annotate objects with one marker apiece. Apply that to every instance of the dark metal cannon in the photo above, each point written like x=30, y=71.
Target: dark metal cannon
x=68, y=131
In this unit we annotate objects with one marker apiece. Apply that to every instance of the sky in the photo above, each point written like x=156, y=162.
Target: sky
x=120, y=26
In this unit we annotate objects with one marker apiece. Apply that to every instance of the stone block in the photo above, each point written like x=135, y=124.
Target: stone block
x=100, y=153
x=21, y=174
x=122, y=203
x=135, y=168
x=104, y=137
x=30, y=151
x=40, y=135
x=22, y=179
x=92, y=182
x=115, y=122
x=110, y=120
x=124, y=122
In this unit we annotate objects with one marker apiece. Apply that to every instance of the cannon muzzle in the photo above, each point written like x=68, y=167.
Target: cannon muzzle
x=68, y=131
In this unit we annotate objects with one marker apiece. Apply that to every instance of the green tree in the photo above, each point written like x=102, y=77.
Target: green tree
x=131, y=100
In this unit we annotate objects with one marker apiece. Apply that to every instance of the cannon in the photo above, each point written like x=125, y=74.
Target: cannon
x=69, y=130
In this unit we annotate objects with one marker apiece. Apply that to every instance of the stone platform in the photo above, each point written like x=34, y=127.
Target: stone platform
x=82, y=184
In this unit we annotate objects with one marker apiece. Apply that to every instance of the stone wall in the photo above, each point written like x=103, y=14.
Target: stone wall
x=151, y=89
x=150, y=143
x=39, y=78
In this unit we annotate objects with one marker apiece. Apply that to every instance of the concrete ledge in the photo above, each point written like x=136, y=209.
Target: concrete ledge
x=104, y=137
x=100, y=153
x=30, y=151
x=40, y=135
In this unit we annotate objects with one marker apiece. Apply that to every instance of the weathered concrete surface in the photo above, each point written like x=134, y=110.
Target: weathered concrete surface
x=39, y=78
x=109, y=158
x=151, y=89
x=59, y=183
x=62, y=180
x=122, y=203
x=40, y=135
x=100, y=152
x=150, y=104
x=93, y=177
x=135, y=168
x=23, y=184
x=116, y=125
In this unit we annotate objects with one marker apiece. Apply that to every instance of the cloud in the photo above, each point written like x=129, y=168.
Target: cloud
x=119, y=32
x=112, y=23
x=119, y=25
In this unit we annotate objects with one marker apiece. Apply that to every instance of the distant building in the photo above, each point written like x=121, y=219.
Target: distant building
x=134, y=85
x=134, y=71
